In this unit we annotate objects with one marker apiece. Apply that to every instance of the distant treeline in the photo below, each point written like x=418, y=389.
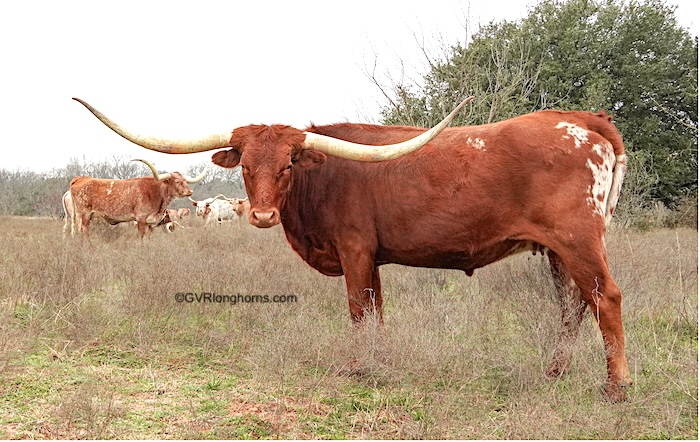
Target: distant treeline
x=27, y=193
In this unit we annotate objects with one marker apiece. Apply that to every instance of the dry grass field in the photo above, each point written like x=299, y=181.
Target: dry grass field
x=93, y=344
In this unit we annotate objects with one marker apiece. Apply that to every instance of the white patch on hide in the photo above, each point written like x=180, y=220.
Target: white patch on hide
x=602, y=178
x=109, y=191
x=476, y=143
x=618, y=177
x=527, y=246
x=579, y=134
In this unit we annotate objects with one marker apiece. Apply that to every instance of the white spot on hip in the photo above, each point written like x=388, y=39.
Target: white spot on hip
x=579, y=134
x=602, y=172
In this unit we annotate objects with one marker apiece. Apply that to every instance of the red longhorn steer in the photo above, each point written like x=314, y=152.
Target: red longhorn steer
x=143, y=200
x=547, y=180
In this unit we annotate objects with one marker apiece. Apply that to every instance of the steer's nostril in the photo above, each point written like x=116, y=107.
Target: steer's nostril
x=263, y=216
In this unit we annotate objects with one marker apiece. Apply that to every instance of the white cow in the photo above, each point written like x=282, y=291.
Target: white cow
x=215, y=209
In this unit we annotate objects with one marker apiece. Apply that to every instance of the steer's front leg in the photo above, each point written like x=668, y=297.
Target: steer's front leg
x=362, y=282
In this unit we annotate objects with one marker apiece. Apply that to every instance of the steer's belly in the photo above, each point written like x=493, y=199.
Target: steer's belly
x=466, y=259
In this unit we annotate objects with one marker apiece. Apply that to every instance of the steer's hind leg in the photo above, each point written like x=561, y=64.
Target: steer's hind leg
x=572, y=308
x=587, y=265
x=84, y=226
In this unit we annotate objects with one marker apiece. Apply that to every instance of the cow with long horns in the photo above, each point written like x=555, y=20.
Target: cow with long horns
x=547, y=181
x=143, y=200
x=224, y=209
x=240, y=207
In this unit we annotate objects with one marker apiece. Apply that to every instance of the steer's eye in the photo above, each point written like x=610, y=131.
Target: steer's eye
x=289, y=166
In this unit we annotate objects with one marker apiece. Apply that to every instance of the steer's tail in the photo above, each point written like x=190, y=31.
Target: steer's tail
x=616, y=186
x=602, y=123
x=68, y=217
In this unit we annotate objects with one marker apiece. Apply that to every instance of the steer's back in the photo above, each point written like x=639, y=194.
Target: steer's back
x=115, y=200
x=468, y=197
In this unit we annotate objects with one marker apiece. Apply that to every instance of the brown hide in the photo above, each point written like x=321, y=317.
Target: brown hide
x=241, y=207
x=472, y=196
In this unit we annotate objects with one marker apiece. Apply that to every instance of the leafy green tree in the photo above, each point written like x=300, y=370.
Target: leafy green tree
x=630, y=58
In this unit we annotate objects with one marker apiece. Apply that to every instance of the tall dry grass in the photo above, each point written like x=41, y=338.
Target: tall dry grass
x=93, y=343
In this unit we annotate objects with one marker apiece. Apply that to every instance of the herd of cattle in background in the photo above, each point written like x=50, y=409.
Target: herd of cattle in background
x=144, y=202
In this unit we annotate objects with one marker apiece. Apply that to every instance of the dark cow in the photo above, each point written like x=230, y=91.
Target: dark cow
x=143, y=200
x=549, y=180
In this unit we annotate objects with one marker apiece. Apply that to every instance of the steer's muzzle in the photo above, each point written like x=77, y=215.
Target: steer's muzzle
x=264, y=218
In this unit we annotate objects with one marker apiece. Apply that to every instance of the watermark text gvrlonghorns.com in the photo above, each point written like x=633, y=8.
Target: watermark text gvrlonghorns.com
x=215, y=298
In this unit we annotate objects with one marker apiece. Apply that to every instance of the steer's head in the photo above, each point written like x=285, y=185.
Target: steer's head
x=203, y=207
x=175, y=183
x=268, y=154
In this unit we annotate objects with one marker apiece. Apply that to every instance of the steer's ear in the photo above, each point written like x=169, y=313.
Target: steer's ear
x=226, y=158
x=309, y=159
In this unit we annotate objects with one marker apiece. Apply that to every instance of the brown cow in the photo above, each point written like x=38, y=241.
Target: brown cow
x=241, y=207
x=549, y=180
x=143, y=200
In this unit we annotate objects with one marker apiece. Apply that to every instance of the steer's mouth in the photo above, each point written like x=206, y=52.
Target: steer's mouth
x=264, y=218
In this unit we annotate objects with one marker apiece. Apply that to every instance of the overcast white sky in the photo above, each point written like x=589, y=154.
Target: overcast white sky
x=176, y=68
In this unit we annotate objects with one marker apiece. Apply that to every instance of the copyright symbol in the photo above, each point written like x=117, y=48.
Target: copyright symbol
x=179, y=297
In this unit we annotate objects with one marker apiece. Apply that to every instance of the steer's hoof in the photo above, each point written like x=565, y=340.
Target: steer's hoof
x=615, y=393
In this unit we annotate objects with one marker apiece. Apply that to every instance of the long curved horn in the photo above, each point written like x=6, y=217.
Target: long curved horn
x=329, y=145
x=362, y=152
x=165, y=176
x=199, y=177
x=175, y=146
x=207, y=200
